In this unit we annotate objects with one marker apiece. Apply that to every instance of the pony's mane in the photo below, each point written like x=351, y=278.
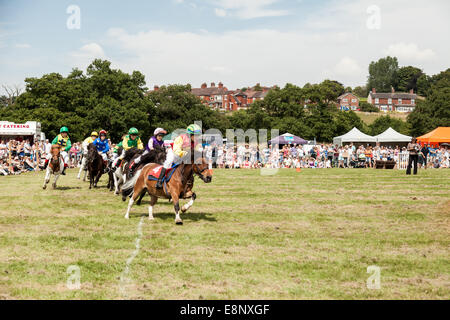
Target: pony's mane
x=130, y=153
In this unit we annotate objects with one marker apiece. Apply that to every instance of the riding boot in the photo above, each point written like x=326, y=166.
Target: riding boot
x=159, y=183
x=45, y=164
x=64, y=170
x=132, y=167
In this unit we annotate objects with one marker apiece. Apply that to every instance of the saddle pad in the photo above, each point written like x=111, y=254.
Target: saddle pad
x=155, y=172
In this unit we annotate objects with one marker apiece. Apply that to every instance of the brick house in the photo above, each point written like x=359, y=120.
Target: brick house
x=222, y=99
x=348, y=101
x=215, y=97
x=239, y=99
x=393, y=101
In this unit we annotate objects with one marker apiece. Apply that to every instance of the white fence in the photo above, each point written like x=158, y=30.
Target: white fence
x=402, y=161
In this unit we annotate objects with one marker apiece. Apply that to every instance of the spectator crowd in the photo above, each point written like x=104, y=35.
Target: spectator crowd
x=18, y=156
x=321, y=156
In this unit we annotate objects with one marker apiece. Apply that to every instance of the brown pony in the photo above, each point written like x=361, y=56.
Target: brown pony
x=179, y=186
x=55, y=166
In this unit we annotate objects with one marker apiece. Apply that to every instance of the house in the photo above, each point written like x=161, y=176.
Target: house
x=222, y=99
x=348, y=101
x=215, y=97
x=393, y=101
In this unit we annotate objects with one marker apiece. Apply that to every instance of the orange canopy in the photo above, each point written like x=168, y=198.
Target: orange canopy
x=438, y=135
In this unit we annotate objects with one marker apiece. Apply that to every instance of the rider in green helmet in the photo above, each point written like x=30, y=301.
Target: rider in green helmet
x=63, y=141
x=131, y=140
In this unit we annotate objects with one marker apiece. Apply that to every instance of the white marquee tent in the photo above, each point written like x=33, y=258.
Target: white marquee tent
x=354, y=136
x=390, y=135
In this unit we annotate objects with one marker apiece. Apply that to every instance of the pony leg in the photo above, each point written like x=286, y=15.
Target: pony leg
x=83, y=164
x=97, y=178
x=116, y=184
x=150, y=207
x=141, y=196
x=85, y=175
x=46, y=179
x=56, y=179
x=176, y=206
x=189, y=204
x=136, y=193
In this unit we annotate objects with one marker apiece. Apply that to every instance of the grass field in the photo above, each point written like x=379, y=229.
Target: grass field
x=289, y=236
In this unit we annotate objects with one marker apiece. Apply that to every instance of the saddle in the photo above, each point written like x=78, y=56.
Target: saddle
x=154, y=174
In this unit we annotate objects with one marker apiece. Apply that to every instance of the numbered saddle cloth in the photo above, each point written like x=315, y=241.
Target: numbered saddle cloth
x=155, y=172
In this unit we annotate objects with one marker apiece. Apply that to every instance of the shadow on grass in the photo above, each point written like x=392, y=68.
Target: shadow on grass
x=193, y=216
x=67, y=188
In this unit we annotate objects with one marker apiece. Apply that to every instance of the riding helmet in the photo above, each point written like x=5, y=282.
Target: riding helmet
x=194, y=129
x=133, y=131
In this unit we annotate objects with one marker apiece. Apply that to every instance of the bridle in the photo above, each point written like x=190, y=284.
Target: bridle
x=199, y=172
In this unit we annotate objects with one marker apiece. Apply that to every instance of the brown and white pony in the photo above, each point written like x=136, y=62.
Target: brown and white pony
x=55, y=166
x=179, y=186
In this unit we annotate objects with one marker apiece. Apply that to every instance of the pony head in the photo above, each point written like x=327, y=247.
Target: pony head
x=200, y=168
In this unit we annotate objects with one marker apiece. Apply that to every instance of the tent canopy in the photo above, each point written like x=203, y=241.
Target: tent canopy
x=438, y=135
x=354, y=135
x=287, y=138
x=390, y=135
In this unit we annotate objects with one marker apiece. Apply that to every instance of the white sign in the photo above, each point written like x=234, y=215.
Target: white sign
x=30, y=128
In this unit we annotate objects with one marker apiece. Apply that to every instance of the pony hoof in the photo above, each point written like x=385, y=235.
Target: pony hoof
x=127, y=217
x=44, y=187
x=151, y=218
x=179, y=222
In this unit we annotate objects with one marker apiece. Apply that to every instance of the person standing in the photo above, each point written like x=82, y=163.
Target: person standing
x=423, y=156
x=413, y=149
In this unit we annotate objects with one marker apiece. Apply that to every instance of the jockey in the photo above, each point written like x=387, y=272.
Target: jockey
x=155, y=140
x=86, y=142
x=131, y=140
x=62, y=140
x=181, y=147
x=102, y=145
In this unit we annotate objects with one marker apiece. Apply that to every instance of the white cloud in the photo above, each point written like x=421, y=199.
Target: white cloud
x=348, y=67
x=220, y=12
x=333, y=43
x=23, y=45
x=249, y=9
x=86, y=54
x=409, y=52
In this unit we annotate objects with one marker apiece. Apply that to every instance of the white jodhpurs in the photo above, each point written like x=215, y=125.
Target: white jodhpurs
x=138, y=159
x=64, y=155
x=172, y=158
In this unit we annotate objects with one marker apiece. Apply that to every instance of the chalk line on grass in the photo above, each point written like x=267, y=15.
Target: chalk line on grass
x=124, y=278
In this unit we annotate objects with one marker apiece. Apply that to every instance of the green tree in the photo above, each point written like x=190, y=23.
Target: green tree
x=361, y=91
x=435, y=110
x=367, y=107
x=384, y=122
x=103, y=98
x=407, y=78
x=383, y=74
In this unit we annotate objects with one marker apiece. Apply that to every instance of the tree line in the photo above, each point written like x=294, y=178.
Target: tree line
x=110, y=99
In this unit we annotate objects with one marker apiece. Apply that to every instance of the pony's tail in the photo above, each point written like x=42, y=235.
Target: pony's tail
x=128, y=187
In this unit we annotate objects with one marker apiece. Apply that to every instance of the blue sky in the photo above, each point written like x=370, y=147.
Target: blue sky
x=238, y=42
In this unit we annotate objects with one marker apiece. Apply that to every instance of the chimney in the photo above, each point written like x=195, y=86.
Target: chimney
x=204, y=85
x=220, y=85
x=213, y=84
x=411, y=91
x=392, y=90
x=374, y=91
x=155, y=88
